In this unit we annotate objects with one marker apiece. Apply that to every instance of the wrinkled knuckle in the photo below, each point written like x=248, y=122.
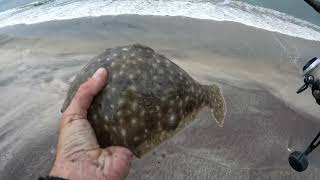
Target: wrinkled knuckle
x=69, y=118
x=83, y=92
x=84, y=87
x=80, y=95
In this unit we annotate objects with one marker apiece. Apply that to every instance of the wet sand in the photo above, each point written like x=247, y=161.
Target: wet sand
x=259, y=72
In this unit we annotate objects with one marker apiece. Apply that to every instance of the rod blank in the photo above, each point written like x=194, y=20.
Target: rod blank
x=315, y=4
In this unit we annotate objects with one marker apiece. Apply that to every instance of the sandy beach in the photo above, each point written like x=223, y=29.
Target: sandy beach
x=259, y=72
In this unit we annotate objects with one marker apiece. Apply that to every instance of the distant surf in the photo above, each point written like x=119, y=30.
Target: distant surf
x=218, y=10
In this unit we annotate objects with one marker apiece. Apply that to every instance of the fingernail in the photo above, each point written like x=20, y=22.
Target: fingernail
x=99, y=73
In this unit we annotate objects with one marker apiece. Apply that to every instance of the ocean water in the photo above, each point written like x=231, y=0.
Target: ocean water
x=296, y=8
x=291, y=17
x=8, y=4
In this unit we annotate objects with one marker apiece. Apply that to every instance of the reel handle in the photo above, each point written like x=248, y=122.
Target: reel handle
x=314, y=144
x=307, y=81
x=303, y=88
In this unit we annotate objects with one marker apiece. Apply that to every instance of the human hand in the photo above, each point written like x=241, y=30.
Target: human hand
x=78, y=153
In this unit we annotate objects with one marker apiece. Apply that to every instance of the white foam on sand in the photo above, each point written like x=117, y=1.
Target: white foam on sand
x=219, y=10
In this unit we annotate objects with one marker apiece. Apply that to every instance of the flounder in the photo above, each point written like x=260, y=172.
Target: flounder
x=147, y=100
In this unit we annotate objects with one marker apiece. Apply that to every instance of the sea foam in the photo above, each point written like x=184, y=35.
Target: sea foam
x=224, y=10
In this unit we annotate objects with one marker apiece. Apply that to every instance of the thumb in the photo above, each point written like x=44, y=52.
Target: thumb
x=85, y=94
x=76, y=134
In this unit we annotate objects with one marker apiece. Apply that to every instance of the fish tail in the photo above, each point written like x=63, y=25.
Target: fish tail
x=216, y=103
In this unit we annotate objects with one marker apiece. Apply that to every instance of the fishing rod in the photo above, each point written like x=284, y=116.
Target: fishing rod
x=311, y=71
x=315, y=4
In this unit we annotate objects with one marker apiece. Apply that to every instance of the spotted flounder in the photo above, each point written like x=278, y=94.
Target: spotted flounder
x=148, y=98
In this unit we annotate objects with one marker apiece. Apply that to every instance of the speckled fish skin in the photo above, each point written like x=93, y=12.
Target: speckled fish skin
x=147, y=99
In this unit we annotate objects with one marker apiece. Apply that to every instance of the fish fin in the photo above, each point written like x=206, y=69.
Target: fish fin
x=64, y=106
x=217, y=104
x=136, y=153
x=66, y=103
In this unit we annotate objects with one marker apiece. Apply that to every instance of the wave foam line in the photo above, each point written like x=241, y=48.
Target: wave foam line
x=235, y=11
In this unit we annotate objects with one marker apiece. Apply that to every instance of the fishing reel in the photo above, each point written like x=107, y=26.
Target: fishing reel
x=311, y=72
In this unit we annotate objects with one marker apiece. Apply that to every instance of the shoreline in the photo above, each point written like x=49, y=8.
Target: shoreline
x=236, y=11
